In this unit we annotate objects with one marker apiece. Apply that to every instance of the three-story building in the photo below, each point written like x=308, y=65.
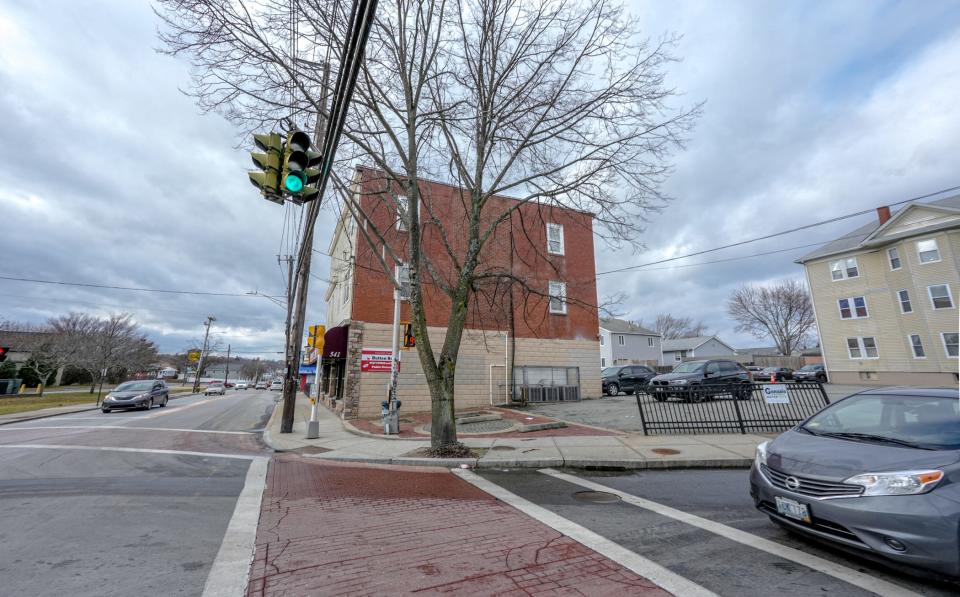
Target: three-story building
x=885, y=297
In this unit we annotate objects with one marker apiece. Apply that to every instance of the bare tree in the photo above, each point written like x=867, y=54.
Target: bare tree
x=670, y=327
x=115, y=343
x=782, y=311
x=557, y=104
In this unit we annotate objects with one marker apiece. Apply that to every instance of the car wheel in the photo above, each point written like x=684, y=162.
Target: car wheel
x=105, y=411
x=745, y=392
x=148, y=405
x=697, y=395
x=165, y=400
x=613, y=389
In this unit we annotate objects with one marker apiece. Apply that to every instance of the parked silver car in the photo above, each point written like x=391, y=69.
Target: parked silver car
x=876, y=473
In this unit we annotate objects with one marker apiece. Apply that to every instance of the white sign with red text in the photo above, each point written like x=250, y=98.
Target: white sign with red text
x=377, y=360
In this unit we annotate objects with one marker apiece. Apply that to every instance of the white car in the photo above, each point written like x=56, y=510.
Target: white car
x=241, y=385
x=215, y=388
x=276, y=384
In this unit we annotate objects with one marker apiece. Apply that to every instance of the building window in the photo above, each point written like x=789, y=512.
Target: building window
x=403, y=207
x=601, y=339
x=345, y=288
x=620, y=340
x=402, y=272
x=894, y=255
x=603, y=361
x=858, y=311
x=677, y=357
x=916, y=344
x=555, y=239
x=844, y=269
x=951, y=343
x=863, y=348
x=558, y=297
x=905, y=306
x=649, y=341
x=940, y=296
x=928, y=250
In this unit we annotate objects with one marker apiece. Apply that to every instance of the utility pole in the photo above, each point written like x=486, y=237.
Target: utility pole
x=203, y=353
x=226, y=373
x=295, y=330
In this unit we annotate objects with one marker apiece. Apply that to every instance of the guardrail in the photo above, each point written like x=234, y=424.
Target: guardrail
x=739, y=408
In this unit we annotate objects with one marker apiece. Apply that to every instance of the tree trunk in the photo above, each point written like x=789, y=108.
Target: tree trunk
x=443, y=424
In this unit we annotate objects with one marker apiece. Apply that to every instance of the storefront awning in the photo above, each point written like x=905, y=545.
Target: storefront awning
x=335, y=342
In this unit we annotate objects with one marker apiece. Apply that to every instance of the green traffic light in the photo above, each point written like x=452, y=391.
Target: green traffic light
x=293, y=182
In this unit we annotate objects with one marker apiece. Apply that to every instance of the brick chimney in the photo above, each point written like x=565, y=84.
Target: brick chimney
x=883, y=214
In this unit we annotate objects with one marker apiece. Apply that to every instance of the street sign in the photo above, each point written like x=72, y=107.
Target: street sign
x=377, y=360
x=193, y=356
x=776, y=394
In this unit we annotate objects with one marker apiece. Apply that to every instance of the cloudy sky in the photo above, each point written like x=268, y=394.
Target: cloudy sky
x=109, y=175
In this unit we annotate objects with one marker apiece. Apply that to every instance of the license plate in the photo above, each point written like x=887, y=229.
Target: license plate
x=793, y=509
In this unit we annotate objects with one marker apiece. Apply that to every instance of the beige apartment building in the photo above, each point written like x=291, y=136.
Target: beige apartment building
x=885, y=297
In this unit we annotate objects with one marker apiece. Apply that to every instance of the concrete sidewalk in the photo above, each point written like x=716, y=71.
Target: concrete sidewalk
x=337, y=442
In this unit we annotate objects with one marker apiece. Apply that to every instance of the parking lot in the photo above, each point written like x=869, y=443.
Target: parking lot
x=621, y=413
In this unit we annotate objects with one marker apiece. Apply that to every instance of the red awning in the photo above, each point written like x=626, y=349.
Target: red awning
x=335, y=342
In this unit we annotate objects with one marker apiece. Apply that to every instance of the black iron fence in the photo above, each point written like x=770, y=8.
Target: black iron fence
x=742, y=408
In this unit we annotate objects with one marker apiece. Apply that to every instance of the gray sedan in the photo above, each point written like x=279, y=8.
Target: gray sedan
x=876, y=473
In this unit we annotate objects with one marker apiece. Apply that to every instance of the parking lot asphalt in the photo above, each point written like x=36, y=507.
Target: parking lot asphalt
x=621, y=413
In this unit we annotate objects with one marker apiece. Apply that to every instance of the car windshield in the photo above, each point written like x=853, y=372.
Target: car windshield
x=133, y=386
x=215, y=383
x=688, y=368
x=929, y=422
x=609, y=371
x=809, y=368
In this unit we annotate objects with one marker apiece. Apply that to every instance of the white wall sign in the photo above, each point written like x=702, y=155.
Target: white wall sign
x=776, y=394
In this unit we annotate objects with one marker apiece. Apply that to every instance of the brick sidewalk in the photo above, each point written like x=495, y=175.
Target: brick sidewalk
x=336, y=529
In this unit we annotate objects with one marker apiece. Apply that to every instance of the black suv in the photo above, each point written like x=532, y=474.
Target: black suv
x=628, y=378
x=696, y=381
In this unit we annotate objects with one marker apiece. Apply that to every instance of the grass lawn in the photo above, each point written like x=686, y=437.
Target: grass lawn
x=20, y=404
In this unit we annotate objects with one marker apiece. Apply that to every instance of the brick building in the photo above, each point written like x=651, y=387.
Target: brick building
x=547, y=331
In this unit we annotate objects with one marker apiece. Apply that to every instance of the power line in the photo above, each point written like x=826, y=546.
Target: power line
x=109, y=287
x=775, y=234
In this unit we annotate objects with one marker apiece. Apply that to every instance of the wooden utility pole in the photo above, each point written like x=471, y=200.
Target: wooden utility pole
x=226, y=373
x=203, y=353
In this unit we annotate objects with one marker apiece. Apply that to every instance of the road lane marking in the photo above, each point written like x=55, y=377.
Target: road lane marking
x=128, y=429
x=848, y=575
x=231, y=569
x=135, y=450
x=666, y=579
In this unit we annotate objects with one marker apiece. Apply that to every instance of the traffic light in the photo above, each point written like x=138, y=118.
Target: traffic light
x=269, y=162
x=408, y=340
x=299, y=168
x=3, y=353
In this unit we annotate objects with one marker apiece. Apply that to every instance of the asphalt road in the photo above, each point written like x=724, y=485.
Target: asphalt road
x=713, y=561
x=126, y=503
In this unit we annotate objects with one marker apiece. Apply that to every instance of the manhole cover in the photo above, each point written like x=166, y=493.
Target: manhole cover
x=480, y=426
x=596, y=497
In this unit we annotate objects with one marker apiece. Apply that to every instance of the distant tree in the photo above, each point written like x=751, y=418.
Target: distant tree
x=671, y=327
x=8, y=370
x=782, y=311
x=114, y=343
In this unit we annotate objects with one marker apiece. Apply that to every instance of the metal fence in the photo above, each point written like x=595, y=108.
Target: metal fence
x=546, y=384
x=747, y=408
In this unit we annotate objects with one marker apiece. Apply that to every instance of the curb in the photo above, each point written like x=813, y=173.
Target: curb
x=581, y=463
x=82, y=410
x=265, y=436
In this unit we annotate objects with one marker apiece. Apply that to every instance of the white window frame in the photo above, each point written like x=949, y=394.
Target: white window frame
x=949, y=296
x=649, y=341
x=900, y=301
x=891, y=257
x=913, y=347
x=403, y=206
x=943, y=340
x=603, y=362
x=853, y=307
x=559, y=230
x=936, y=247
x=620, y=340
x=845, y=265
x=557, y=290
x=345, y=290
x=862, y=348
x=677, y=356
x=601, y=339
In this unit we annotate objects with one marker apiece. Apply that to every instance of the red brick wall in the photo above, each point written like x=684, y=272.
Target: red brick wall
x=523, y=236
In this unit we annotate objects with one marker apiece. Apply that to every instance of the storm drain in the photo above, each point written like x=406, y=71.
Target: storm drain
x=596, y=497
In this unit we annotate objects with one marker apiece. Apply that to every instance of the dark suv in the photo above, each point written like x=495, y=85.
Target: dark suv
x=696, y=381
x=628, y=378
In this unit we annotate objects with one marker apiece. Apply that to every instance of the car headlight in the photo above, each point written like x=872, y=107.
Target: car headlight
x=898, y=483
x=678, y=381
x=761, y=457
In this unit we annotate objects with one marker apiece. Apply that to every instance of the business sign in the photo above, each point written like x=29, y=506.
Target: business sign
x=193, y=356
x=776, y=394
x=377, y=360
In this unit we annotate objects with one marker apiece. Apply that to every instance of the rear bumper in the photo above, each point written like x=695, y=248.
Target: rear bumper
x=927, y=525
